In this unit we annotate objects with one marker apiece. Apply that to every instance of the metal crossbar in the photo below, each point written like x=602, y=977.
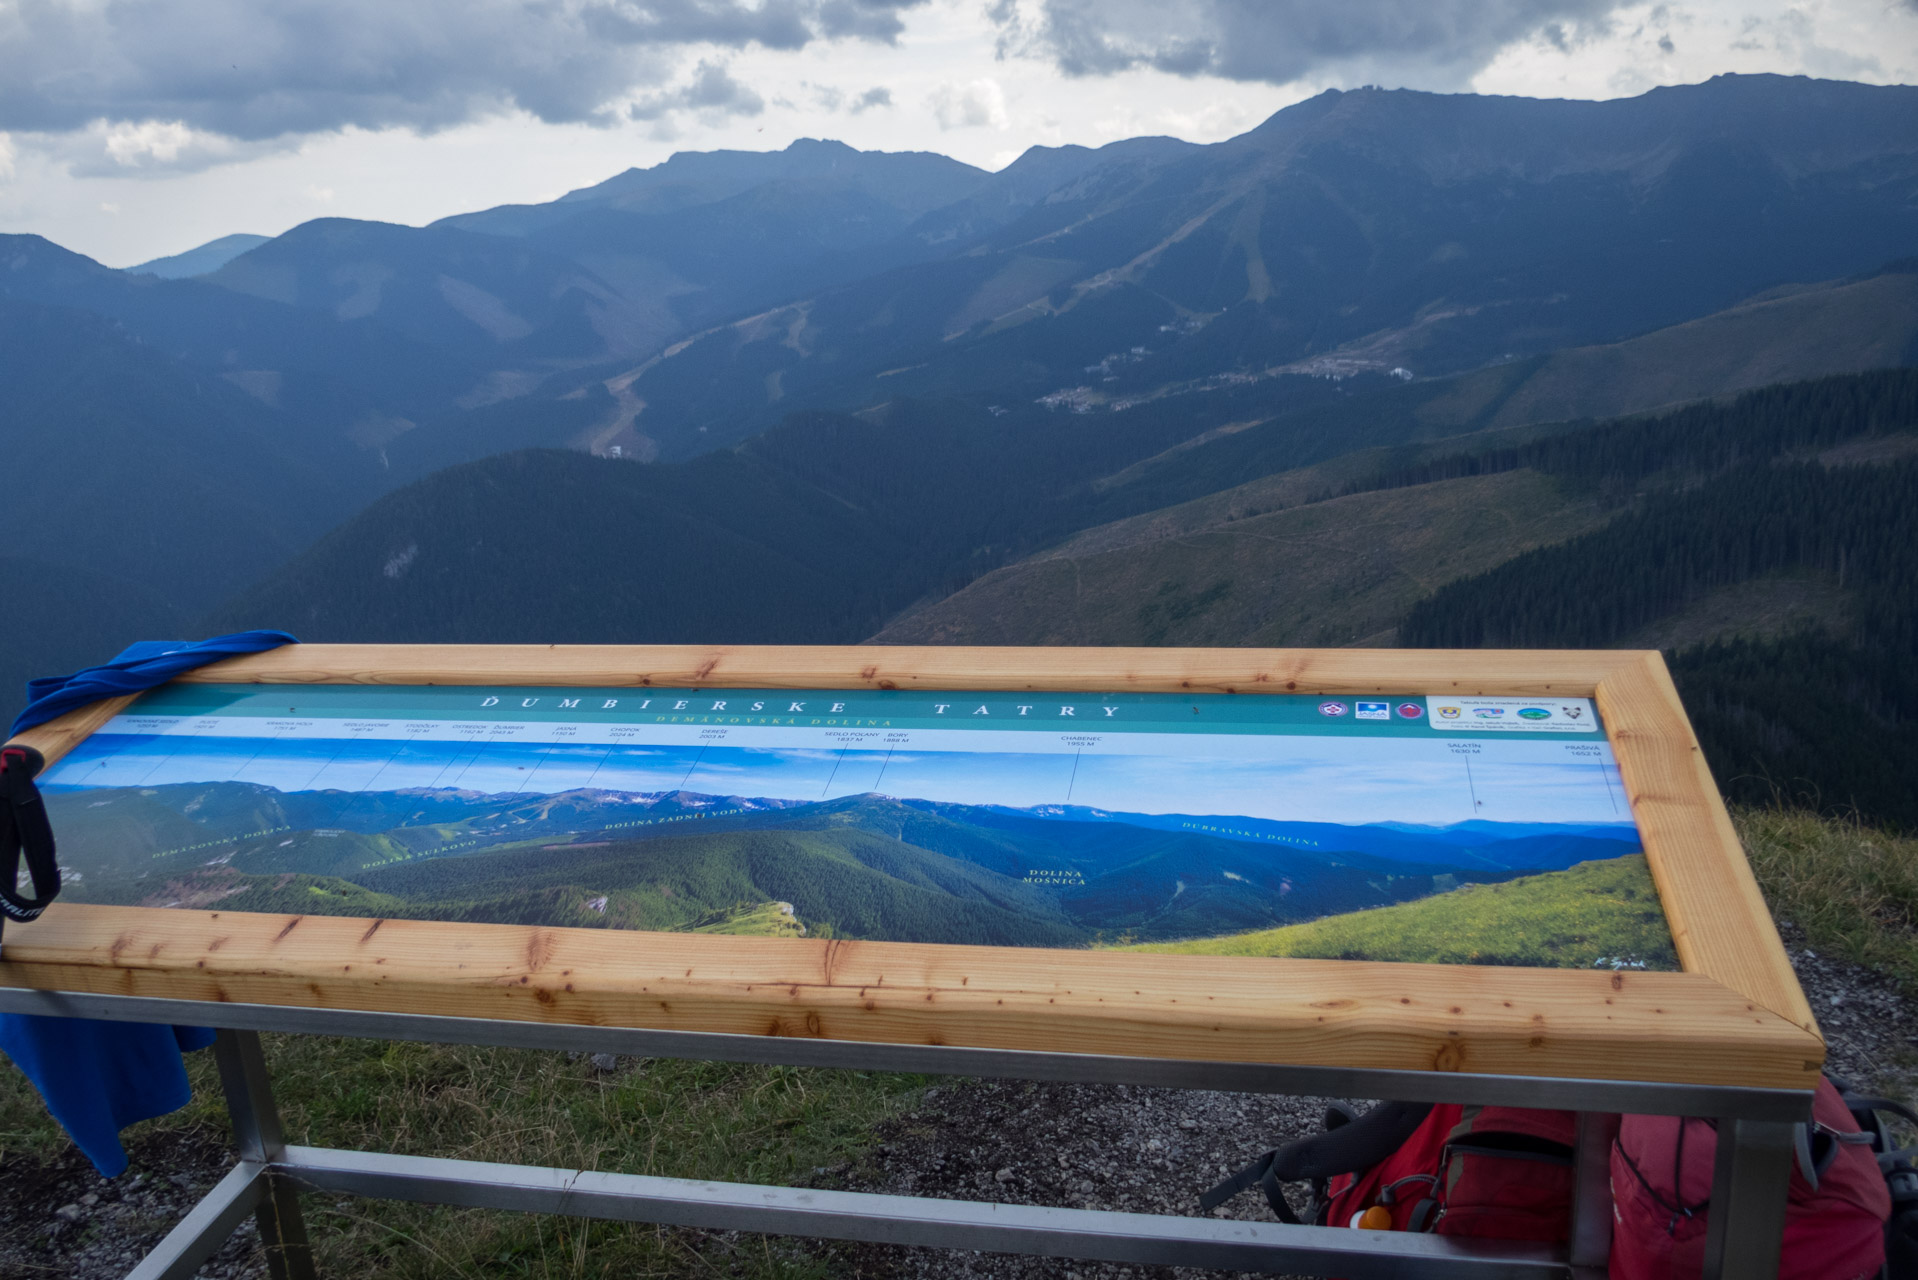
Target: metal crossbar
x=1137, y=1238
x=1754, y=1161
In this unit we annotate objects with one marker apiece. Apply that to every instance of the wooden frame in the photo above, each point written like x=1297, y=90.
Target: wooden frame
x=1735, y=1016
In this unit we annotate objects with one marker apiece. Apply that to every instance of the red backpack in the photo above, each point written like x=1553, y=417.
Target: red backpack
x=1661, y=1195
x=1502, y=1173
x=1506, y=1173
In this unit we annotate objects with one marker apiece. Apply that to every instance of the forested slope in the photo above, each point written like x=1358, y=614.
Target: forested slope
x=1824, y=713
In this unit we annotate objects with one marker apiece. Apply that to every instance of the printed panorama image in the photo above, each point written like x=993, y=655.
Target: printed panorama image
x=1485, y=831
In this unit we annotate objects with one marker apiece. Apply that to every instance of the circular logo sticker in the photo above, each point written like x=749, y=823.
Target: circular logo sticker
x=1534, y=713
x=1331, y=708
x=1411, y=710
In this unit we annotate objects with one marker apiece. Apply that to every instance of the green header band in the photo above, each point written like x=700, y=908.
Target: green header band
x=1289, y=714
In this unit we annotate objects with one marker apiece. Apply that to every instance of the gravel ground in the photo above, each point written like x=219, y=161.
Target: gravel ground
x=59, y=1218
x=1079, y=1146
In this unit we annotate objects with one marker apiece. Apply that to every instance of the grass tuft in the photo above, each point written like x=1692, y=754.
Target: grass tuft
x=1851, y=888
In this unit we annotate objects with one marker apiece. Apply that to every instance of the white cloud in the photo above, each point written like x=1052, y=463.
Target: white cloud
x=971, y=105
x=1643, y=45
x=168, y=143
x=831, y=98
x=6, y=157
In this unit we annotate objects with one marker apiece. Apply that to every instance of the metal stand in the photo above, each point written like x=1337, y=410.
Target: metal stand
x=1748, y=1200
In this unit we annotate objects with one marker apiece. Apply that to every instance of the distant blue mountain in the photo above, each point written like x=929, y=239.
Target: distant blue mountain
x=210, y=256
x=1504, y=846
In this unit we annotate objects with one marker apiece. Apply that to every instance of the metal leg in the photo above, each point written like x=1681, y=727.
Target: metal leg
x=1592, y=1194
x=1748, y=1200
x=201, y=1233
x=256, y=1130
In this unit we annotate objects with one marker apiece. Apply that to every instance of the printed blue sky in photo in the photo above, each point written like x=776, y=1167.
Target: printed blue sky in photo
x=1306, y=780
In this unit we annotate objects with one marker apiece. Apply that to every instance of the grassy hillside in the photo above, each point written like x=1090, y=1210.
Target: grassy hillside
x=1597, y=913
x=1852, y=888
x=1333, y=572
x=842, y=881
x=1783, y=335
x=759, y=919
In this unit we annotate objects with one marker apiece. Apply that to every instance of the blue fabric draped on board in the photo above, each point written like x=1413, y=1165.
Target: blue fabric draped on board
x=138, y=668
x=99, y=1077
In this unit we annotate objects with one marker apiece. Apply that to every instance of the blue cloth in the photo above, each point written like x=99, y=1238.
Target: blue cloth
x=99, y=1077
x=137, y=669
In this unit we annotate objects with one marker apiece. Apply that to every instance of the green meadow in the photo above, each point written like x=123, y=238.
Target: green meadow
x=1596, y=913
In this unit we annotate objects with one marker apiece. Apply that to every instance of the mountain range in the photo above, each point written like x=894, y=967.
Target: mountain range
x=1152, y=392
x=864, y=866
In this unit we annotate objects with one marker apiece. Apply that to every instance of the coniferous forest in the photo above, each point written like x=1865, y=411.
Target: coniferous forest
x=1713, y=498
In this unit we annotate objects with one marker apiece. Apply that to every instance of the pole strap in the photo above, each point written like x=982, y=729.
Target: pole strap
x=24, y=829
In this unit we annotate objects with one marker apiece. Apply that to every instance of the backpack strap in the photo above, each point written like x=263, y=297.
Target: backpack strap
x=1675, y=1206
x=1855, y=1103
x=1348, y=1148
x=1863, y=1108
x=24, y=829
x=1259, y=1173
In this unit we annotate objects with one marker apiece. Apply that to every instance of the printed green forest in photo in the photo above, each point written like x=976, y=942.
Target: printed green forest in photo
x=1428, y=829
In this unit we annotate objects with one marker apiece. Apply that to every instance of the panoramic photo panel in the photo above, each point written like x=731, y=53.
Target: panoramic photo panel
x=1433, y=829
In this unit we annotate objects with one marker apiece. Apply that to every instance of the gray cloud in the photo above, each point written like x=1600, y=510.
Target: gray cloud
x=1433, y=42
x=832, y=98
x=248, y=70
x=711, y=90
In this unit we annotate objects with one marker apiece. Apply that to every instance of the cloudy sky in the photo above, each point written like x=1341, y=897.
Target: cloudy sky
x=135, y=128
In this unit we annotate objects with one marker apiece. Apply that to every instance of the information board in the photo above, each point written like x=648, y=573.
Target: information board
x=1430, y=828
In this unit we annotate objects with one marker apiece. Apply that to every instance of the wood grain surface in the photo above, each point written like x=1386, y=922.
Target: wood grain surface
x=1717, y=915
x=1565, y=1023
x=1464, y=672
